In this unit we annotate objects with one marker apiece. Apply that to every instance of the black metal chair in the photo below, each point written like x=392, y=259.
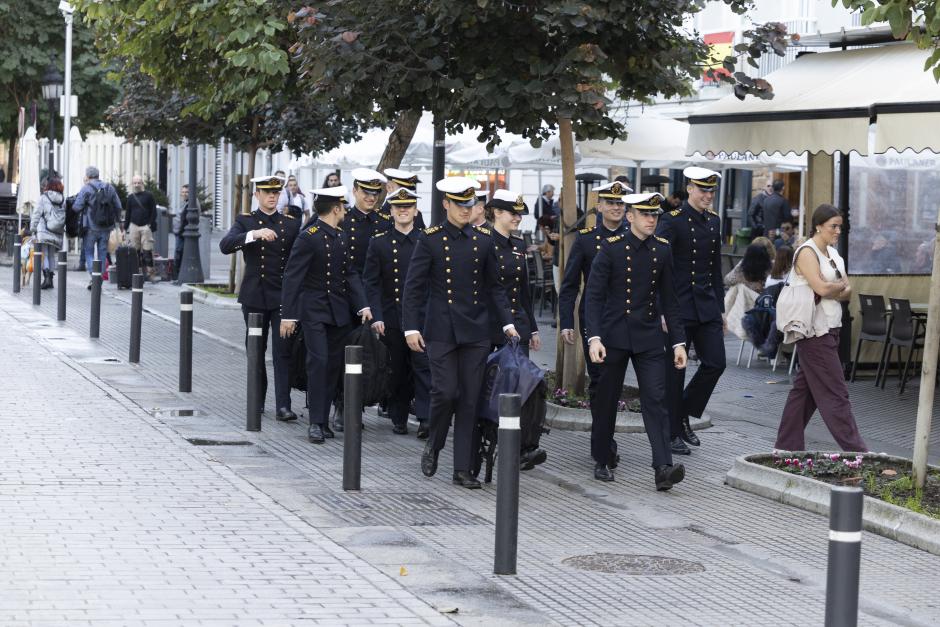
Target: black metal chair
x=906, y=330
x=543, y=287
x=874, y=329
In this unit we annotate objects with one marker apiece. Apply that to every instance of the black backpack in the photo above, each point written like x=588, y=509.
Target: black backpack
x=376, y=364
x=73, y=219
x=101, y=209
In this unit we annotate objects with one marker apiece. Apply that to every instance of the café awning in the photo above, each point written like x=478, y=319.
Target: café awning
x=825, y=102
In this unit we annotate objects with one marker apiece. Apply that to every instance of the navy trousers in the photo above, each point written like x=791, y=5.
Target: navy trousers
x=411, y=378
x=709, y=341
x=325, y=361
x=280, y=350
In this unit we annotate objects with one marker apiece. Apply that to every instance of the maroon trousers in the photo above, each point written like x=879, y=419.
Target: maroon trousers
x=819, y=384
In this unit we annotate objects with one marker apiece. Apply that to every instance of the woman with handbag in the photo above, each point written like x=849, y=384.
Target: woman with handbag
x=818, y=278
x=47, y=226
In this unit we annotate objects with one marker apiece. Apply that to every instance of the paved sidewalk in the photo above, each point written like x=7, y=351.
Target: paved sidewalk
x=110, y=518
x=747, y=560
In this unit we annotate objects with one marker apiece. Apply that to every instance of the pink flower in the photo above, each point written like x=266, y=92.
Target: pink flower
x=834, y=456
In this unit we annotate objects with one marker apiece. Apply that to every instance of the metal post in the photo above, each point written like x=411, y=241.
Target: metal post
x=352, y=419
x=186, y=341
x=37, y=284
x=137, y=313
x=507, y=486
x=62, y=265
x=17, y=270
x=66, y=9
x=190, y=265
x=95, y=324
x=255, y=364
x=845, y=553
x=437, y=171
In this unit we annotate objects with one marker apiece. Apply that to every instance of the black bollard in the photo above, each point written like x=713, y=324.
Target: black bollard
x=62, y=265
x=507, y=485
x=186, y=341
x=255, y=364
x=95, y=325
x=845, y=554
x=352, y=419
x=37, y=283
x=17, y=268
x=137, y=314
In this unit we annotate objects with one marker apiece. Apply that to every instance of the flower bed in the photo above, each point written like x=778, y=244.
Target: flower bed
x=886, y=479
x=629, y=397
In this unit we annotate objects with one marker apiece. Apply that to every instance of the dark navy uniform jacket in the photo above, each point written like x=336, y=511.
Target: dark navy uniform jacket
x=387, y=210
x=319, y=283
x=696, y=252
x=514, y=275
x=387, y=262
x=585, y=247
x=630, y=286
x=264, y=261
x=452, y=278
x=359, y=228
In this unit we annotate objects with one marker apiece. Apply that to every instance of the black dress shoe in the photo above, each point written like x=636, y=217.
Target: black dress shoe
x=423, y=431
x=466, y=480
x=603, y=473
x=429, y=461
x=327, y=432
x=668, y=476
x=679, y=447
x=338, y=425
x=687, y=434
x=614, y=461
x=285, y=415
x=315, y=434
x=400, y=429
x=530, y=459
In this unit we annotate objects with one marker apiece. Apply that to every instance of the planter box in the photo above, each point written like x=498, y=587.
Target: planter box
x=885, y=519
x=572, y=419
x=202, y=296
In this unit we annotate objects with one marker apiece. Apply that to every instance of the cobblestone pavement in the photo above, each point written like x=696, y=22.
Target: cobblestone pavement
x=750, y=560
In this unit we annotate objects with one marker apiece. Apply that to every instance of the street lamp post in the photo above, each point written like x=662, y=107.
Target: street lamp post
x=66, y=9
x=191, y=265
x=52, y=89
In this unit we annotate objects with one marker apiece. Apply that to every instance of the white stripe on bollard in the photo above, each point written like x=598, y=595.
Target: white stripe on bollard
x=187, y=308
x=137, y=289
x=353, y=368
x=845, y=536
x=509, y=422
x=95, y=274
x=254, y=330
x=62, y=263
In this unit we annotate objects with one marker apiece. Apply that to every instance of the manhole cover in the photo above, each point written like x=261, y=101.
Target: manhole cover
x=204, y=442
x=654, y=565
x=411, y=509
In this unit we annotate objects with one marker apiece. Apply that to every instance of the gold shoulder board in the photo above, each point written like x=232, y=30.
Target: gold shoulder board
x=484, y=230
x=385, y=216
x=585, y=231
x=662, y=240
x=432, y=229
x=312, y=230
x=711, y=212
x=614, y=238
x=380, y=234
x=675, y=212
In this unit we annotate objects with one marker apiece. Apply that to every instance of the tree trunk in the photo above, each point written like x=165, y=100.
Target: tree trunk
x=13, y=157
x=399, y=140
x=928, y=372
x=567, y=360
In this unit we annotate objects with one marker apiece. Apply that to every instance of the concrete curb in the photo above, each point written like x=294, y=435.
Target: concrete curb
x=890, y=521
x=202, y=296
x=571, y=419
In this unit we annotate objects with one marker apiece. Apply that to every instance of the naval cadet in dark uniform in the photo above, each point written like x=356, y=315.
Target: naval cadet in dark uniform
x=452, y=278
x=610, y=209
x=504, y=212
x=387, y=262
x=694, y=231
x=364, y=220
x=398, y=179
x=321, y=289
x=265, y=238
x=630, y=287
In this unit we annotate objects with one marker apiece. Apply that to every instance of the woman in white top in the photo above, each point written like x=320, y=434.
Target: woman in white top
x=820, y=382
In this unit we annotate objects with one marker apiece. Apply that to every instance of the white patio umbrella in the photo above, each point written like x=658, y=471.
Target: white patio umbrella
x=76, y=173
x=27, y=192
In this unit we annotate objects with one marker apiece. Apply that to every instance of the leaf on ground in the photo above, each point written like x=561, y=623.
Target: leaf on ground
x=402, y=572
x=887, y=472
x=448, y=610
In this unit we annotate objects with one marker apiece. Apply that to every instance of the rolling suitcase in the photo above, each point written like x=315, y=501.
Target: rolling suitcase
x=128, y=265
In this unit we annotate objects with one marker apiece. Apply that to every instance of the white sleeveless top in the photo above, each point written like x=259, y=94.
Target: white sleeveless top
x=828, y=307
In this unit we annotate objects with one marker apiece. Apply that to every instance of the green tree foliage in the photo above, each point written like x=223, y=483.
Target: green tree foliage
x=915, y=20
x=496, y=64
x=34, y=38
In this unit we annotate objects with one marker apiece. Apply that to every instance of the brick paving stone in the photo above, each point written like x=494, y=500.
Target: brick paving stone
x=763, y=561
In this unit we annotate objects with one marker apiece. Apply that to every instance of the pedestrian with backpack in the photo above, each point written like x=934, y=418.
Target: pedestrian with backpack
x=47, y=226
x=100, y=207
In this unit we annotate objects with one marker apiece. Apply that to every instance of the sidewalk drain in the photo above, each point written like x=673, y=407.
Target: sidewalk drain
x=649, y=565
x=409, y=509
x=204, y=442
